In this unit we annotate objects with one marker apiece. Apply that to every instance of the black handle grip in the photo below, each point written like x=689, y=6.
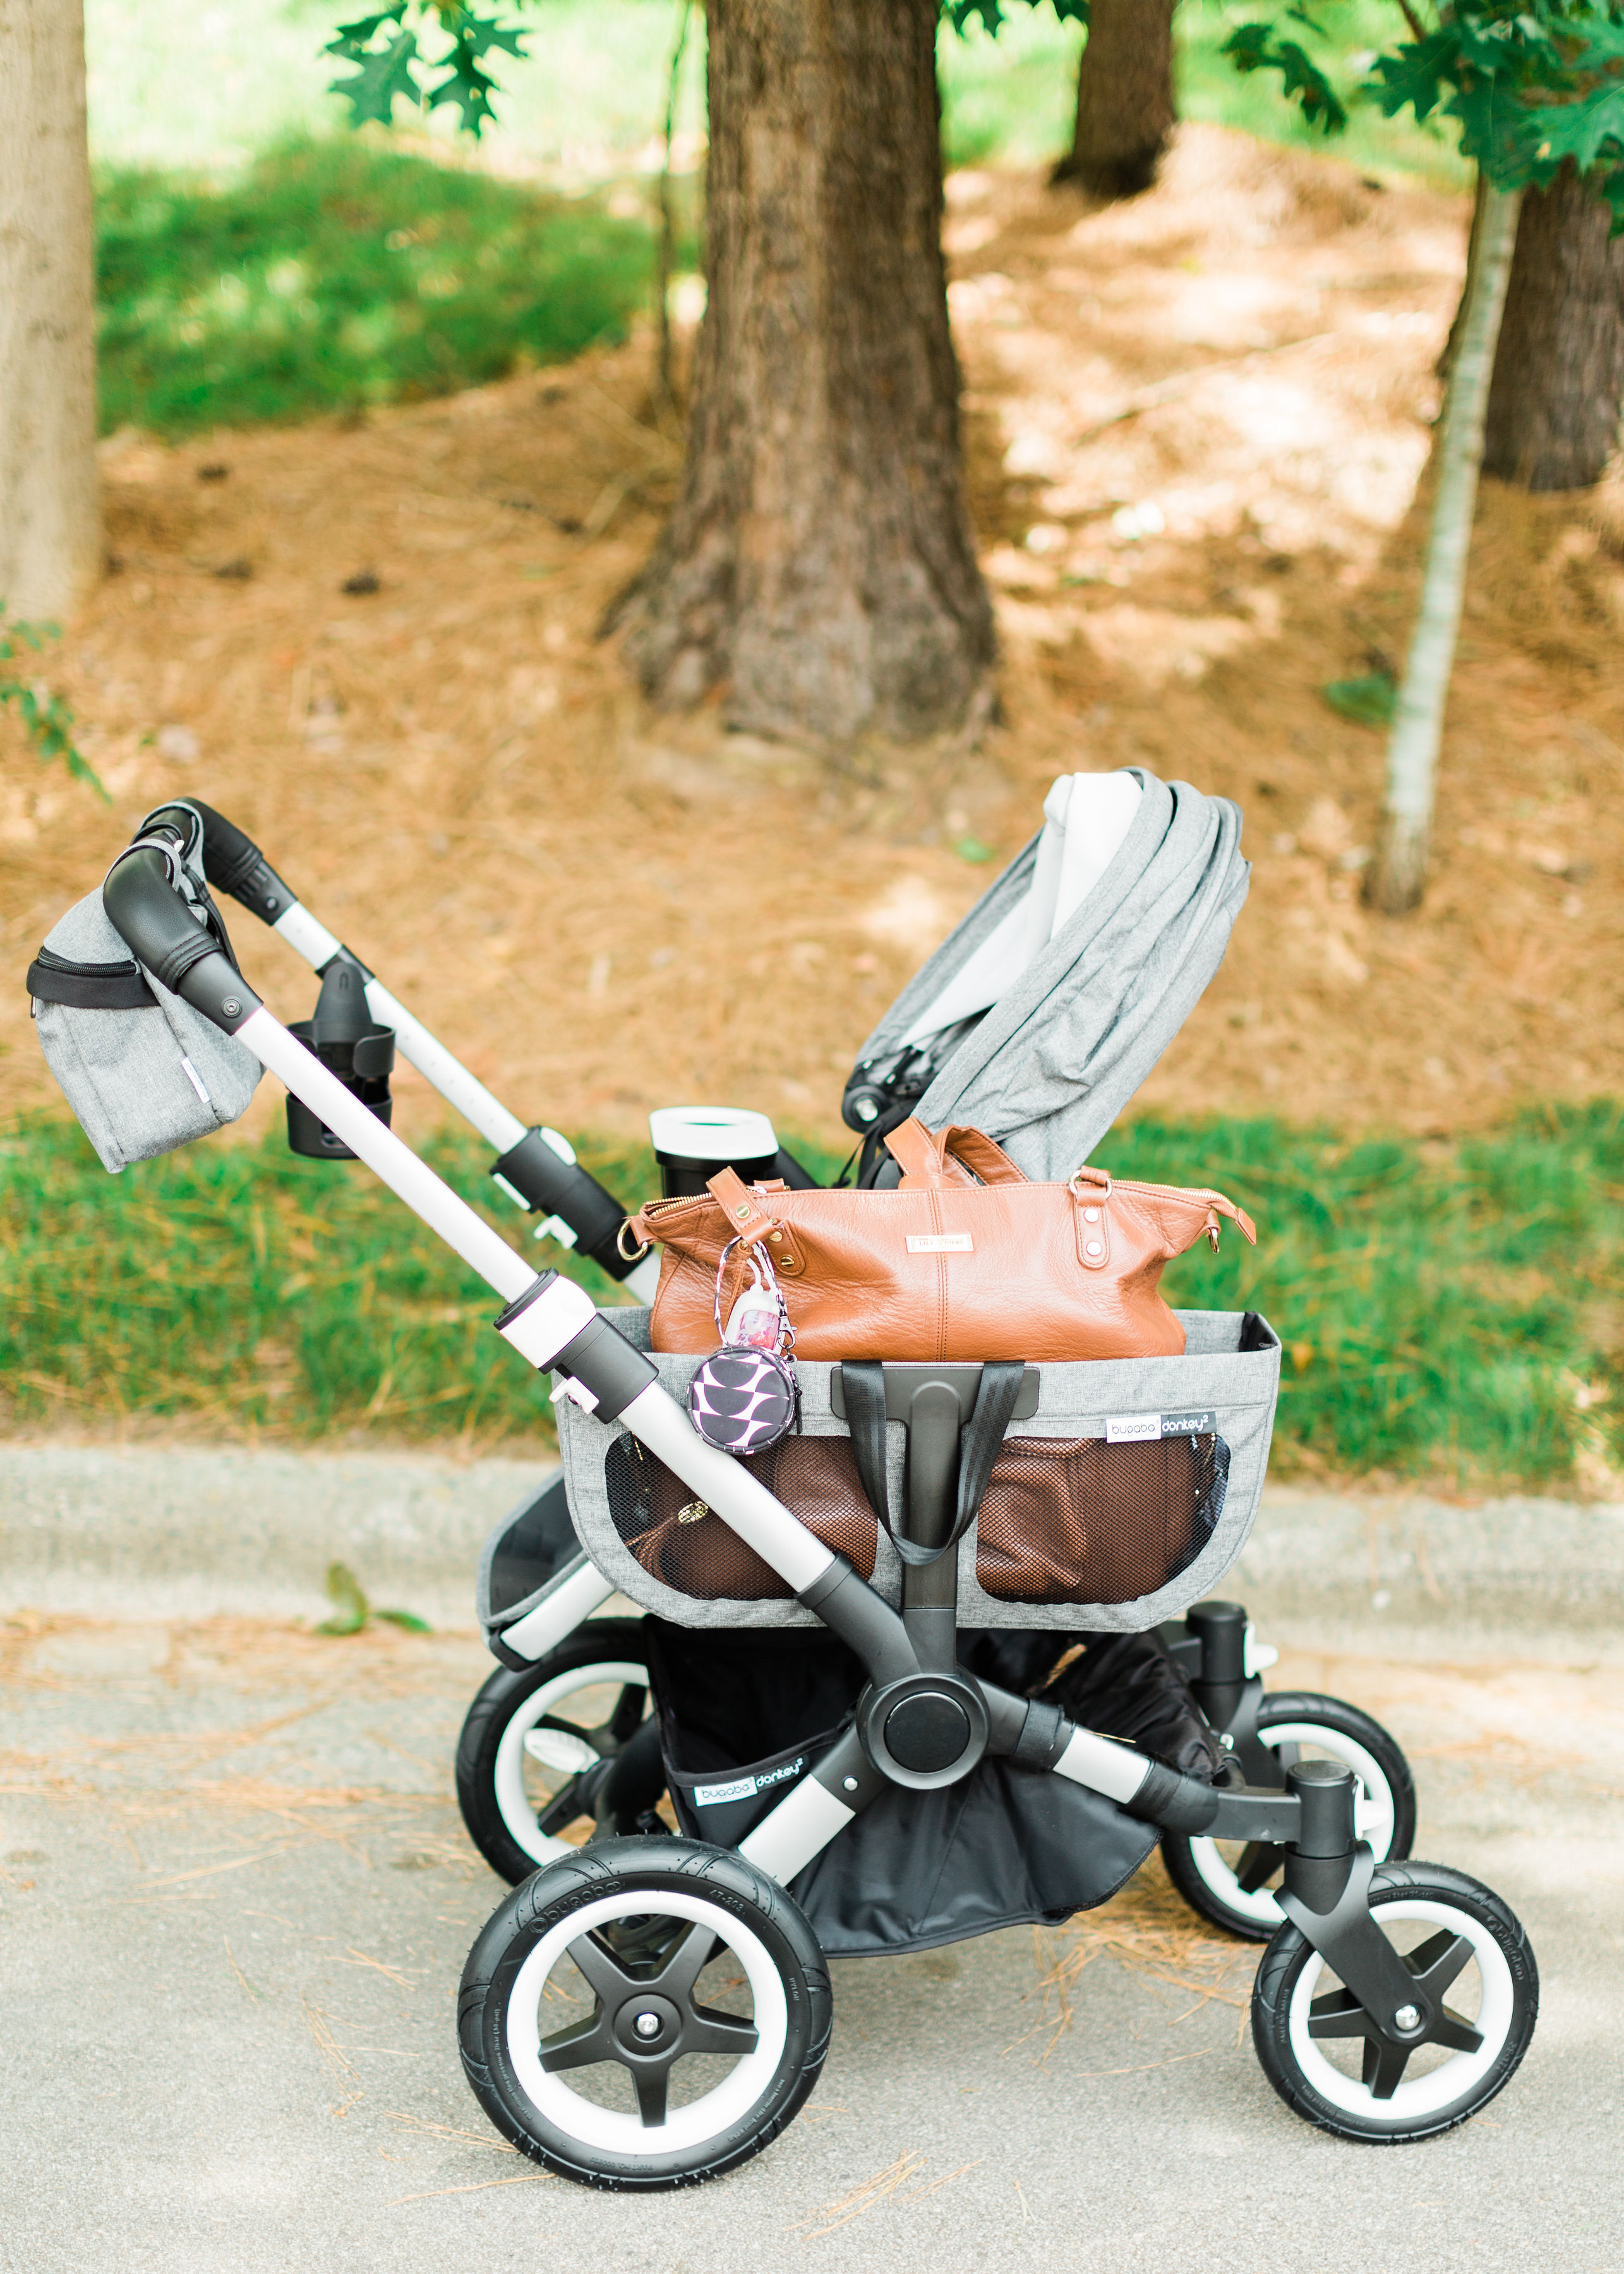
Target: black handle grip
x=144, y=908
x=233, y=864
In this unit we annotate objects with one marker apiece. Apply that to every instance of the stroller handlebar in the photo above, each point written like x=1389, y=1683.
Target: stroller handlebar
x=144, y=909
x=235, y=864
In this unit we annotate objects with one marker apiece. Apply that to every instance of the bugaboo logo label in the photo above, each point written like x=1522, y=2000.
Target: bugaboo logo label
x=940, y=1243
x=1141, y=1429
x=712, y=1796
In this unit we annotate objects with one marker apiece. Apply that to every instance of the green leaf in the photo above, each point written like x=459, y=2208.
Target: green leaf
x=352, y=41
x=349, y=1604
x=971, y=849
x=469, y=88
x=382, y=78
x=407, y=1621
x=1418, y=74
x=1368, y=701
x=1254, y=47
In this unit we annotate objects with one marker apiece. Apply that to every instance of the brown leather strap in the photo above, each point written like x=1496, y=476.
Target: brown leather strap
x=746, y=1219
x=926, y=1158
x=983, y=1154
x=1217, y=1206
x=916, y=1152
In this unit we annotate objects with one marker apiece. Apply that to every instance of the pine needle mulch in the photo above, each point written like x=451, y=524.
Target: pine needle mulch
x=1196, y=425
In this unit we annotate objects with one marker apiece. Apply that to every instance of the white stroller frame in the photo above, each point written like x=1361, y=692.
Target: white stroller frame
x=921, y=1722
x=1213, y=1645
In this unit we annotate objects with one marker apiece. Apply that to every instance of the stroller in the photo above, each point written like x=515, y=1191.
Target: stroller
x=561, y=1739
x=697, y=1963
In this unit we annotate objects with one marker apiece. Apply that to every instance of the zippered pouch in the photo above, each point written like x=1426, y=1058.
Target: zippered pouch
x=141, y=1069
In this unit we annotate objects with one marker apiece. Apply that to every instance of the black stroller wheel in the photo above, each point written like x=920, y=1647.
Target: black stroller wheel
x=542, y=1750
x=1234, y=1885
x=646, y=2014
x=1470, y=1956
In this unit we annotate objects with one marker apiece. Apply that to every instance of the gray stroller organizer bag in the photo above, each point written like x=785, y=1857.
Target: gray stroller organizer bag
x=141, y=1069
x=1124, y=1489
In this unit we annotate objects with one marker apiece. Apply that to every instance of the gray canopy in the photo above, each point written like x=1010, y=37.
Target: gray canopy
x=1070, y=1021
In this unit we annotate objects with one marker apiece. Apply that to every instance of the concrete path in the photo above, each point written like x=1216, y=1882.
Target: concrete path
x=236, y=1898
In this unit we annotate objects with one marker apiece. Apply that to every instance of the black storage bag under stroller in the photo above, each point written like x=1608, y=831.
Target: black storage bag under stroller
x=743, y=1716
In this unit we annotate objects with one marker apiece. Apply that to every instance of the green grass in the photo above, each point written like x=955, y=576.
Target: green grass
x=241, y=1289
x=336, y=275
x=1443, y=1308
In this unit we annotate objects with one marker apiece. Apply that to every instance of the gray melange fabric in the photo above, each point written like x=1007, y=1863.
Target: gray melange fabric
x=122, y=1071
x=1053, y=1062
x=1073, y=1401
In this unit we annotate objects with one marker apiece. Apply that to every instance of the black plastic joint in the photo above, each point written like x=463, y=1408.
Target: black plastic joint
x=603, y=1361
x=235, y=865
x=554, y=1186
x=865, y=1622
x=1325, y=1793
x=1176, y=1803
x=1044, y=1736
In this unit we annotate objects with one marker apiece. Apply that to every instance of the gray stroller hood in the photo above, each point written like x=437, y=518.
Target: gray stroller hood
x=1035, y=1021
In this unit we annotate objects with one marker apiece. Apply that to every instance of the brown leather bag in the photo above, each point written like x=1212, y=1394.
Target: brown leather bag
x=942, y=1266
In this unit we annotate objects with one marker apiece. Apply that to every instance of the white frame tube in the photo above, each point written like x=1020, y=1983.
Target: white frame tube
x=800, y=1827
x=484, y=1250
x=569, y=1605
x=311, y=940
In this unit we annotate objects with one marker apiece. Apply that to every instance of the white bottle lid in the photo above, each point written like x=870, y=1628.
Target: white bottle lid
x=711, y=1133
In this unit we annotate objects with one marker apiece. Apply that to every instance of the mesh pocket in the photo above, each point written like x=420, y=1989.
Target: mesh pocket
x=678, y=1539
x=1077, y=1520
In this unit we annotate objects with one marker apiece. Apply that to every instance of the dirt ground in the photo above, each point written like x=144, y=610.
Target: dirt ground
x=1197, y=424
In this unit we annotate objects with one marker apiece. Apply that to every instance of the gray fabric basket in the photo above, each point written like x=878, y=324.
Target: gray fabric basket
x=140, y=1082
x=1238, y=1387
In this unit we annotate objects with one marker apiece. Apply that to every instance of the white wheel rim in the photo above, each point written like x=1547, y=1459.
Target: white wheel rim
x=1453, y=2078
x=714, y=2111
x=514, y=1804
x=1375, y=1813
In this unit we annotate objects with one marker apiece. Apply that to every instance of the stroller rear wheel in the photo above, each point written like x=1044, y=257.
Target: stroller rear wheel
x=647, y=2014
x=1232, y=1885
x=564, y=1742
x=1477, y=1989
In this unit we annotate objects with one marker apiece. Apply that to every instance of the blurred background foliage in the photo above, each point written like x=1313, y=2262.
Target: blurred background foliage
x=259, y=262
x=1447, y=1306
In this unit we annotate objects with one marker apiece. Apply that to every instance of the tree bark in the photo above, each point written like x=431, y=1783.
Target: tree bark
x=1124, y=98
x=49, y=530
x=1558, y=373
x=1397, y=876
x=820, y=561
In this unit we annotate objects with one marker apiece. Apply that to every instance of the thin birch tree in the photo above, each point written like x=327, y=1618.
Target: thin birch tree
x=1397, y=876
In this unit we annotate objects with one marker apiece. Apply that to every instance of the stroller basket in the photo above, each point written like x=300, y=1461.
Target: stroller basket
x=1123, y=1500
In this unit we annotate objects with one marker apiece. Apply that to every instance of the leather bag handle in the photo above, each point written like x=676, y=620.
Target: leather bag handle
x=923, y=1156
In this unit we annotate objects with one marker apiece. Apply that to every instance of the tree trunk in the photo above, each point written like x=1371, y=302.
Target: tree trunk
x=50, y=532
x=1398, y=874
x=820, y=560
x=1124, y=98
x=1558, y=374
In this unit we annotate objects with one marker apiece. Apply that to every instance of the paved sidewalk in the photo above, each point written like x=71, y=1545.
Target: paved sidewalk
x=235, y=1900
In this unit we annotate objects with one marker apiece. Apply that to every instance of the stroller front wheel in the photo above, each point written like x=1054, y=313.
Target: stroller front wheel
x=644, y=2014
x=1234, y=1885
x=1476, y=1978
